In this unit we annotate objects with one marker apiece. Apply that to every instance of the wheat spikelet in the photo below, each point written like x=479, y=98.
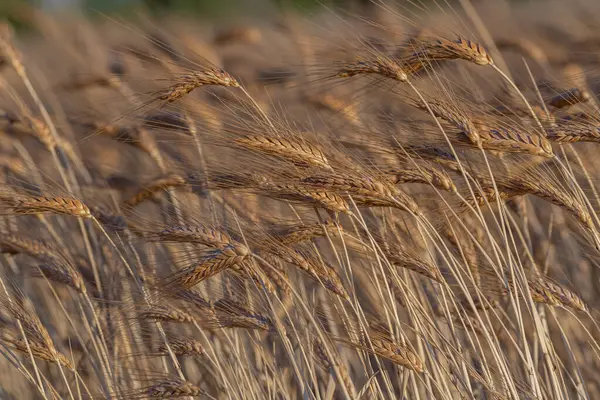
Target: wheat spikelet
x=321, y=272
x=167, y=388
x=428, y=50
x=196, y=233
x=17, y=244
x=427, y=174
x=273, y=270
x=381, y=344
x=187, y=83
x=327, y=363
x=450, y=114
x=155, y=186
x=384, y=346
x=507, y=139
x=366, y=191
x=64, y=274
x=40, y=204
x=39, y=351
x=229, y=313
x=211, y=264
x=322, y=198
x=546, y=291
x=298, y=151
x=181, y=346
x=378, y=65
x=571, y=131
x=295, y=234
x=39, y=340
x=164, y=312
x=403, y=259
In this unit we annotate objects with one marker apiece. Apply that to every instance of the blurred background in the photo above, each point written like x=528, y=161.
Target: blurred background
x=207, y=7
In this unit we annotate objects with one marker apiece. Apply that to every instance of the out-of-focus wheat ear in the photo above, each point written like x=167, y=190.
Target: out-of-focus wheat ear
x=241, y=34
x=63, y=273
x=41, y=352
x=403, y=259
x=211, y=264
x=39, y=340
x=108, y=219
x=370, y=192
x=420, y=173
x=338, y=106
x=567, y=131
x=155, y=186
x=466, y=249
x=569, y=98
x=543, y=290
x=13, y=244
x=296, y=234
x=187, y=83
x=167, y=388
x=181, y=346
x=321, y=272
x=384, y=346
x=298, y=151
x=525, y=47
x=315, y=196
x=232, y=314
x=166, y=313
x=381, y=66
x=328, y=364
x=451, y=114
x=20, y=204
x=271, y=266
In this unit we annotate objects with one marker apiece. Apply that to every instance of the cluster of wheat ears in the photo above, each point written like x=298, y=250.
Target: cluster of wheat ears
x=305, y=208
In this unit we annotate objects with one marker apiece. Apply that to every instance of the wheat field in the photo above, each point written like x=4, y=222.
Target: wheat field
x=398, y=201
